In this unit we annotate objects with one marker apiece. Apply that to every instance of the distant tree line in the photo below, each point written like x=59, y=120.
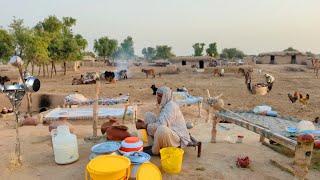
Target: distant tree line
x=227, y=53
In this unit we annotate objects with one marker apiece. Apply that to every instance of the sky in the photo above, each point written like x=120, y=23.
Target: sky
x=252, y=26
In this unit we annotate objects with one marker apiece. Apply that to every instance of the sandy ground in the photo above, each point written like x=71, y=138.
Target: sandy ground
x=217, y=160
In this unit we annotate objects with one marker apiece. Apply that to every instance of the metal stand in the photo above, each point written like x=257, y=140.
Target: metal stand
x=15, y=98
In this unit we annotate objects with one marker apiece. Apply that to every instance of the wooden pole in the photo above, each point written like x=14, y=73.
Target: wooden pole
x=96, y=109
x=17, y=147
x=214, y=129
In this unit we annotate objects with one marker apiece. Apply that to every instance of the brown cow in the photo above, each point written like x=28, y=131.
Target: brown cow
x=149, y=72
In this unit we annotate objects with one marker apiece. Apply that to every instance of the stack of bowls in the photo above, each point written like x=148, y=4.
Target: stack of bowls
x=109, y=147
x=131, y=144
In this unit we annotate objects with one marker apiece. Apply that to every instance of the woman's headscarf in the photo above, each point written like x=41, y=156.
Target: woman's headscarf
x=166, y=95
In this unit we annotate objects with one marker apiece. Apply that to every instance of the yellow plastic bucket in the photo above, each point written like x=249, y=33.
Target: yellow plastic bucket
x=148, y=171
x=109, y=167
x=171, y=159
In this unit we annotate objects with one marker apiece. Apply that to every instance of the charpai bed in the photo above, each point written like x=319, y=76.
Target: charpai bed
x=274, y=128
x=79, y=99
x=86, y=113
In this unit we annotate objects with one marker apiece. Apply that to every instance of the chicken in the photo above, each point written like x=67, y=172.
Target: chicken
x=293, y=98
x=304, y=100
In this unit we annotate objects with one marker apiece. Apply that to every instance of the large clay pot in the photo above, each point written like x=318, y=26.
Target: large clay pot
x=30, y=121
x=107, y=125
x=115, y=133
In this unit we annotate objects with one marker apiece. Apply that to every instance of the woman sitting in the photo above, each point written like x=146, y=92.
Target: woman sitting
x=169, y=128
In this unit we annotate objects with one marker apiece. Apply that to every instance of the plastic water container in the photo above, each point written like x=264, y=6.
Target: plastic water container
x=65, y=146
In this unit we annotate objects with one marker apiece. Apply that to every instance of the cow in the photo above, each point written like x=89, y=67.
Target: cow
x=149, y=72
x=109, y=76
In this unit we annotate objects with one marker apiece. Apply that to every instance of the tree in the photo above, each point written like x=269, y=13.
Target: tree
x=52, y=28
x=290, y=49
x=20, y=33
x=198, y=49
x=149, y=53
x=231, y=53
x=212, y=50
x=163, y=52
x=37, y=50
x=105, y=47
x=310, y=54
x=6, y=45
x=126, y=50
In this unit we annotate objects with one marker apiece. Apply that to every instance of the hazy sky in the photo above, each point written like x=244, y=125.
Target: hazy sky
x=251, y=25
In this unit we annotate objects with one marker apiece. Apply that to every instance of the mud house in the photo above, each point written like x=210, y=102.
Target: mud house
x=282, y=57
x=199, y=61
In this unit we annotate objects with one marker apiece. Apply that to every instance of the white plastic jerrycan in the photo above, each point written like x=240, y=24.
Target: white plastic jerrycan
x=65, y=145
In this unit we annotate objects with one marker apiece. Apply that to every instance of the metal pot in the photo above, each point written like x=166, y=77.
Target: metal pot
x=32, y=84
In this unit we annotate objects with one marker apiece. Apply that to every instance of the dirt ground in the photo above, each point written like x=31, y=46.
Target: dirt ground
x=217, y=160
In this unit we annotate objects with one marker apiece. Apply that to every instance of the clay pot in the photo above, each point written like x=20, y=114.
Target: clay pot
x=30, y=121
x=106, y=125
x=115, y=133
x=55, y=124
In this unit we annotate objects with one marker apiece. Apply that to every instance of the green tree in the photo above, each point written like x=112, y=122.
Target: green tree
x=149, y=53
x=231, y=53
x=212, y=50
x=21, y=35
x=198, y=49
x=6, y=45
x=163, y=52
x=52, y=28
x=36, y=50
x=105, y=47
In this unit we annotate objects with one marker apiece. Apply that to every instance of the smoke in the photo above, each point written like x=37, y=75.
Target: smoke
x=122, y=65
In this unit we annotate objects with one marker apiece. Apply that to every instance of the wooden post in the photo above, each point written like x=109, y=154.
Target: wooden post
x=125, y=112
x=199, y=108
x=214, y=129
x=96, y=109
x=303, y=154
x=17, y=148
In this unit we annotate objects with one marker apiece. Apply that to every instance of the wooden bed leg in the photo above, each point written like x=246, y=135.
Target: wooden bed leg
x=209, y=115
x=125, y=112
x=262, y=138
x=302, y=158
x=199, y=108
x=214, y=129
x=199, y=149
